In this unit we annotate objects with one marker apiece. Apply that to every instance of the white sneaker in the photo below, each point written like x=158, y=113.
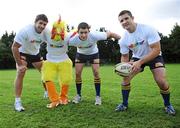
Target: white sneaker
x=45, y=94
x=76, y=99
x=18, y=106
x=98, y=100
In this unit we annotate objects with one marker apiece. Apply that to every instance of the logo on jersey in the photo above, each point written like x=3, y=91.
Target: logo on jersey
x=56, y=46
x=136, y=44
x=36, y=41
x=85, y=46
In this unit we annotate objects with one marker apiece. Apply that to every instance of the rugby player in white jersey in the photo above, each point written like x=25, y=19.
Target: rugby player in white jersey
x=25, y=50
x=144, y=42
x=87, y=50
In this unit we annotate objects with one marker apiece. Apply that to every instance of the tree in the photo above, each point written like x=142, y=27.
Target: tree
x=175, y=43
x=165, y=44
x=6, y=57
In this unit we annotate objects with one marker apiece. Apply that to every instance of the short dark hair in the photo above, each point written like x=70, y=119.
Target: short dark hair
x=41, y=17
x=83, y=25
x=125, y=12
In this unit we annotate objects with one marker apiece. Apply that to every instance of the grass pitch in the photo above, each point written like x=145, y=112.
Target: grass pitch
x=145, y=102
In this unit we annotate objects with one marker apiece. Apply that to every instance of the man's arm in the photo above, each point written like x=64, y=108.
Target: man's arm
x=125, y=57
x=16, y=53
x=113, y=35
x=21, y=65
x=155, y=51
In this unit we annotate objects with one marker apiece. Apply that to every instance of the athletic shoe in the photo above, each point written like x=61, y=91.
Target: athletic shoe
x=18, y=106
x=170, y=110
x=53, y=104
x=98, y=100
x=76, y=99
x=121, y=107
x=45, y=94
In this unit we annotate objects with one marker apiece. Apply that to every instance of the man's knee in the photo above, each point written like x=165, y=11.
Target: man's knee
x=96, y=74
x=162, y=83
x=163, y=86
x=78, y=74
x=38, y=65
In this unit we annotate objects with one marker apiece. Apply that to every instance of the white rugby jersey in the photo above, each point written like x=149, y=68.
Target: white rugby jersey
x=138, y=42
x=30, y=40
x=88, y=46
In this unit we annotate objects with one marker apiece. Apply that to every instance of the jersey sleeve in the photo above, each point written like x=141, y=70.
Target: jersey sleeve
x=152, y=36
x=123, y=47
x=96, y=35
x=21, y=37
x=72, y=39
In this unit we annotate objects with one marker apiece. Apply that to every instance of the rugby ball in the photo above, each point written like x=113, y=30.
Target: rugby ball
x=123, y=69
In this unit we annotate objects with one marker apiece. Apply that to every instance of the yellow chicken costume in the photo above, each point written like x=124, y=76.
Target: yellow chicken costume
x=57, y=66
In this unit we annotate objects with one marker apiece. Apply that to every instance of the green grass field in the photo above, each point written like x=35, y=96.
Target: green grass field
x=145, y=103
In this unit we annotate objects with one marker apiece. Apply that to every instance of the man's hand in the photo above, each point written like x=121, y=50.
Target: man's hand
x=21, y=68
x=136, y=66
